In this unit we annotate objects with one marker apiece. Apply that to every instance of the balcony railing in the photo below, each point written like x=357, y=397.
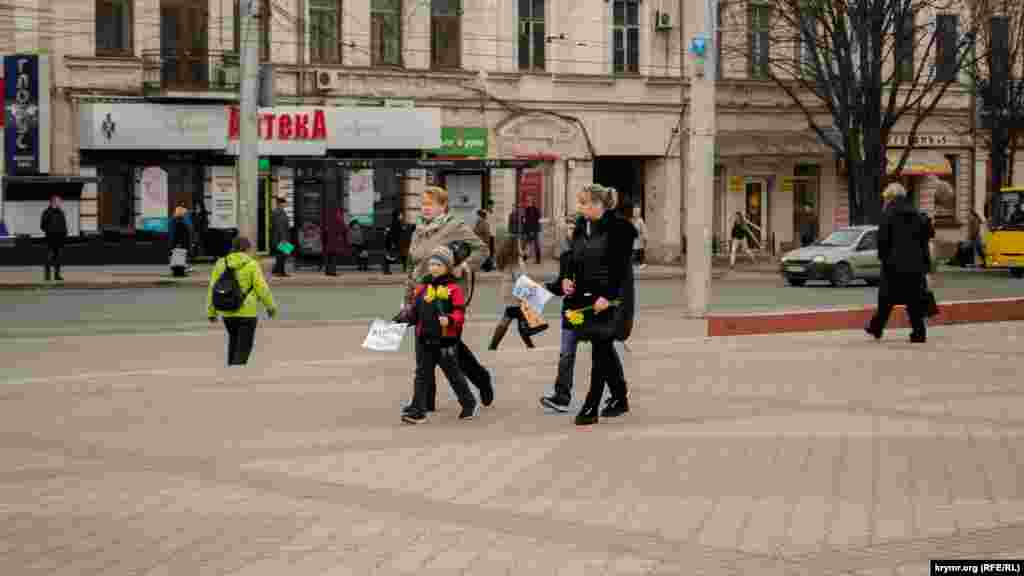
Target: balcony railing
x=207, y=71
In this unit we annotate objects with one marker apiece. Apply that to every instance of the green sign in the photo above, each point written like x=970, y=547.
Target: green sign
x=463, y=142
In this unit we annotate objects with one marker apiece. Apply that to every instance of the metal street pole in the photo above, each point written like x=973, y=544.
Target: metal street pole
x=248, y=143
x=700, y=166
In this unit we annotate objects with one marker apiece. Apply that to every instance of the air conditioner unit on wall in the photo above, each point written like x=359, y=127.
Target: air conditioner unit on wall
x=662, y=20
x=324, y=79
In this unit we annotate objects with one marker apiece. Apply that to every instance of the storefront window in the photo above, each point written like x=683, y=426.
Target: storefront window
x=945, y=194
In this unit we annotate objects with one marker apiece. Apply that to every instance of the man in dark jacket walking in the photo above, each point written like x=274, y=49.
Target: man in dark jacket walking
x=55, y=226
x=278, y=235
x=903, y=250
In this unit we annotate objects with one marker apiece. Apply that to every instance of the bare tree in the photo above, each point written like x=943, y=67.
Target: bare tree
x=998, y=82
x=866, y=64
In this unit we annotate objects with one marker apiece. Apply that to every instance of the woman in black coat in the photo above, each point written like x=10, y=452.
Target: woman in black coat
x=601, y=277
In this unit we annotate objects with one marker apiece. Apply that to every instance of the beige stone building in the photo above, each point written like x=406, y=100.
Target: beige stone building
x=142, y=92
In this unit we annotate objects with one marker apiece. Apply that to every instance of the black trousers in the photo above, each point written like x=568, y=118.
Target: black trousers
x=279, y=261
x=53, y=257
x=241, y=337
x=567, y=365
x=607, y=367
x=470, y=367
x=899, y=288
x=428, y=358
x=331, y=263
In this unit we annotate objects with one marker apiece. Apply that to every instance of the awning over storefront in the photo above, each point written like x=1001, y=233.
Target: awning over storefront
x=40, y=188
x=752, y=143
x=919, y=163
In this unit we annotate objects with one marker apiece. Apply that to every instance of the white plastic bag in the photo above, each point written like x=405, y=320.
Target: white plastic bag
x=535, y=295
x=385, y=336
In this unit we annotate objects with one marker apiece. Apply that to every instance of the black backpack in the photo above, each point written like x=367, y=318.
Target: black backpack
x=227, y=292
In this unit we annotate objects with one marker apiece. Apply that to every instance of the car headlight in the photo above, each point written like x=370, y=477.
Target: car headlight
x=819, y=259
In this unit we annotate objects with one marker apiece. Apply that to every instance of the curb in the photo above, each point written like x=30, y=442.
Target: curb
x=302, y=281
x=959, y=312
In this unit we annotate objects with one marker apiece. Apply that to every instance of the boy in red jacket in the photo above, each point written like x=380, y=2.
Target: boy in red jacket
x=438, y=311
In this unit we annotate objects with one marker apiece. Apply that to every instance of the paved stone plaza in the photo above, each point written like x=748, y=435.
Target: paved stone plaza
x=794, y=454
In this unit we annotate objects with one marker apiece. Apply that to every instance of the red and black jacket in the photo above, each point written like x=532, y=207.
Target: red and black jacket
x=451, y=302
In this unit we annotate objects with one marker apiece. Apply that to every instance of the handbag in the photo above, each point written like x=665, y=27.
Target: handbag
x=179, y=258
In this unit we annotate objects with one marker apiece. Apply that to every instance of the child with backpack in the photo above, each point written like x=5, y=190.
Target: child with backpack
x=438, y=311
x=236, y=285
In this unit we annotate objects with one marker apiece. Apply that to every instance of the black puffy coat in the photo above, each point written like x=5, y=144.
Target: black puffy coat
x=601, y=266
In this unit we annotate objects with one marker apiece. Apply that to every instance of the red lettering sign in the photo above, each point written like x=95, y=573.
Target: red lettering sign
x=289, y=126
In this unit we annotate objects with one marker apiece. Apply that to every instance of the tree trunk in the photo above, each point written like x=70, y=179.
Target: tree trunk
x=871, y=177
x=852, y=182
x=997, y=156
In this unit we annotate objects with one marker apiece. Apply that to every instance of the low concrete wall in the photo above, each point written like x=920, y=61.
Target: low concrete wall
x=964, y=312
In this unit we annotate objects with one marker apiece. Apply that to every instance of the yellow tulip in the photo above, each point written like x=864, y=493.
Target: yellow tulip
x=442, y=293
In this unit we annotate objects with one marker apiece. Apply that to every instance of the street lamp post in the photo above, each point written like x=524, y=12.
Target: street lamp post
x=248, y=145
x=700, y=160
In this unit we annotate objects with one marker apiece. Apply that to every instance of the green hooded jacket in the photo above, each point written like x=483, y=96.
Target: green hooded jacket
x=250, y=279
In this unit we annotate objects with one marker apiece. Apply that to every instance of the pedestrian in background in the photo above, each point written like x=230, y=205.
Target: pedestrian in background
x=280, y=233
x=336, y=242
x=252, y=288
x=531, y=227
x=55, y=226
x=906, y=260
x=392, y=241
x=483, y=230
x=742, y=238
x=808, y=226
x=635, y=217
x=359, y=246
x=181, y=240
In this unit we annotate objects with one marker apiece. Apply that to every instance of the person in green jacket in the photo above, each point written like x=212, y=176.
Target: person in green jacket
x=241, y=323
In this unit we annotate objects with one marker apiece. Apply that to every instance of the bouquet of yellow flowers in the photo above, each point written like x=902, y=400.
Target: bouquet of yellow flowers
x=576, y=317
x=435, y=293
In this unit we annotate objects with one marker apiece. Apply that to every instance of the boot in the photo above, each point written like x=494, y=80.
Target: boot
x=48, y=272
x=499, y=333
x=525, y=333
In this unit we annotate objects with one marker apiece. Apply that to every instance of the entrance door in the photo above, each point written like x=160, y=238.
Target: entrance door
x=184, y=44
x=805, y=209
x=757, y=205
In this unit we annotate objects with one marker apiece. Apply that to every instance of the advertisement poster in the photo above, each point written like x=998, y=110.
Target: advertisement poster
x=223, y=198
x=27, y=123
x=154, y=199
x=361, y=196
x=311, y=236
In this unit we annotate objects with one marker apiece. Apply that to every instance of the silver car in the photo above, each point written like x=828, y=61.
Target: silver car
x=845, y=255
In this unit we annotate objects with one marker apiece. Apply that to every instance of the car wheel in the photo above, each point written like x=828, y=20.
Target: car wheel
x=1017, y=272
x=842, y=275
x=796, y=281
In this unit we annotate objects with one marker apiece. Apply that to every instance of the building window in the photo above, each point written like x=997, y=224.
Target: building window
x=760, y=46
x=626, y=36
x=114, y=27
x=904, y=49
x=446, y=33
x=946, y=47
x=531, y=34
x=264, y=24
x=386, y=34
x=325, y=31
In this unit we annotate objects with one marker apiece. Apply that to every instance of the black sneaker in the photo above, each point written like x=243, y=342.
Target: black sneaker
x=468, y=412
x=615, y=408
x=915, y=339
x=586, y=418
x=556, y=402
x=876, y=335
x=414, y=417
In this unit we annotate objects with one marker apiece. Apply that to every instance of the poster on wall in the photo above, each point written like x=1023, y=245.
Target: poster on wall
x=361, y=197
x=223, y=199
x=286, y=188
x=154, y=199
x=27, y=110
x=311, y=236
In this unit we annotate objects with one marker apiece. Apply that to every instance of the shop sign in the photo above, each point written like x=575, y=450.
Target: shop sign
x=223, y=198
x=27, y=110
x=284, y=131
x=148, y=126
x=384, y=129
x=924, y=141
x=457, y=141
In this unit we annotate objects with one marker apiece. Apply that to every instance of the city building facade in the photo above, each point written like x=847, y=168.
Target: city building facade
x=143, y=98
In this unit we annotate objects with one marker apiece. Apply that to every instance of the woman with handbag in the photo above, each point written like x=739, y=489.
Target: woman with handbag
x=602, y=276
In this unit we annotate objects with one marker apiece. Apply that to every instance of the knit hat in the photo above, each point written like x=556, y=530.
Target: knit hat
x=443, y=255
